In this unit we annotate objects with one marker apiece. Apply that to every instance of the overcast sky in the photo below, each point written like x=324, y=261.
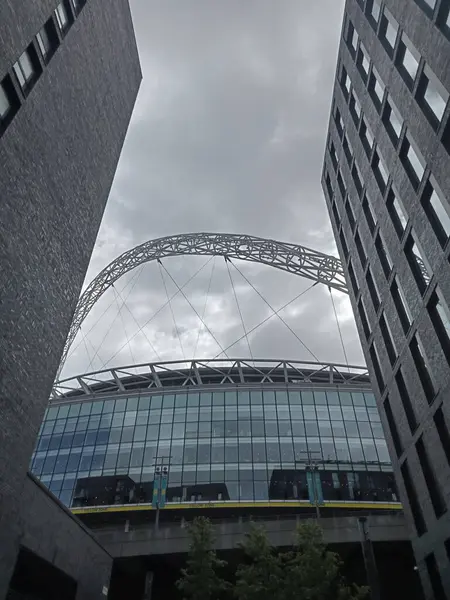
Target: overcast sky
x=227, y=135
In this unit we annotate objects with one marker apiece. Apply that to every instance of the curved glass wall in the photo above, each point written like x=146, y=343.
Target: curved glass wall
x=219, y=445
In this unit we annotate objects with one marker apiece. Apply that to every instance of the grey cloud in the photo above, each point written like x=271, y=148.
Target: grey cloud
x=228, y=135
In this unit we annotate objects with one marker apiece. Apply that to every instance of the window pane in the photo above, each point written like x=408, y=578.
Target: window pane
x=433, y=93
x=408, y=57
x=4, y=103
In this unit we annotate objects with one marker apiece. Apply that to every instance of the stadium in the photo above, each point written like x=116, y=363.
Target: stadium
x=227, y=433
x=138, y=451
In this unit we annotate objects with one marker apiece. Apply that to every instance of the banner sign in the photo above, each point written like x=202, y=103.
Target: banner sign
x=162, y=498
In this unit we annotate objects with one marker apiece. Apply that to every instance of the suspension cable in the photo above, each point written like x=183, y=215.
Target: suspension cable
x=190, y=304
x=123, y=323
x=275, y=313
x=145, y=335
x=272, y=309
x=171, y=311
x=227, y=260
x=338, y=326
x=113, y=321
x=155, y=314
x=137, y=274
x=200, y=329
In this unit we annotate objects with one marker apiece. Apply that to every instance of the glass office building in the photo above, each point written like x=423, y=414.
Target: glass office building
x=228, y=432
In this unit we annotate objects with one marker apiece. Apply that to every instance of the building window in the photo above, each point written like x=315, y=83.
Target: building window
x=9, y=103
x=341, y=184
x=351, y=38
x=430, y=479
x=435, y=577
x=376, y=88
x=350, y=215
x=413, y=161
x=337, y=216
x=416, y=511
x=442, y=429
x=353, y=280
x=346, y=83
x=77, y=5
x=388, y=339
x=355, y=107
x=421, y=363
x=368, y=212
x=432, y=97
x=338, y=121
x=373, y=290
x=388, y=31
x=24, y=70
x=440, y=317
x=333, y=155
x=393, y=427
x=62, y=17
x=363, y=62
x=407, y=60
x=374, y=357
x=397, y=212
x=364, y=321
x=348, y=150
x=380, y=171
x=443, y=19
x=357, y=178
x=329, y=186
x=343, y=244
x=383, y=255
x=437, y=210
x=367, y=138
x=427, y=5
x=373, y=12
x=401, y=305
x=361, y=250
x=47, y=40
x=392, y=120
x=406, y=401
x=419, y=265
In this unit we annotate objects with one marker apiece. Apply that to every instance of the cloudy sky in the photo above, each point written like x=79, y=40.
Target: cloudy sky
x=227, y=135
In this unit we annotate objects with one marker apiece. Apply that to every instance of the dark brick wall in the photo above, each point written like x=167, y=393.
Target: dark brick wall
x=434, y=48
x=49, y=530
x=57, y=161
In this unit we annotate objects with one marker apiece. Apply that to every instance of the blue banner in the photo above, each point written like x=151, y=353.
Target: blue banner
x=155, y=498
x=318, y=487
x=162, y=498
x=315, y=492
x=310, y=484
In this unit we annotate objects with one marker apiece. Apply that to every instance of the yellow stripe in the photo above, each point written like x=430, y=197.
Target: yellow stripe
x=181, y=506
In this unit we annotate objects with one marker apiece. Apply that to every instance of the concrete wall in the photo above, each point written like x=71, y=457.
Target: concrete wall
x=172, y=538
x=57, y=161
x=434, y=48
x=48, y=529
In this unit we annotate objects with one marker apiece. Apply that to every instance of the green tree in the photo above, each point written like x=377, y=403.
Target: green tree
x=200, y=579
x=308, y=572
x=260, y=577
x=312, y=572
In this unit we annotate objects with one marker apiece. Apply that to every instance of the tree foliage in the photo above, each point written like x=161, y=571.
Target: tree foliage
x=200, y=579
x=308, y=572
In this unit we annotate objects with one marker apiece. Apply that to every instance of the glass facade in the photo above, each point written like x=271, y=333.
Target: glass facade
x=230, y=444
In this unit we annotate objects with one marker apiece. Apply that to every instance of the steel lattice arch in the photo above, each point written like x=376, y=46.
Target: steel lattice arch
x=291, y=258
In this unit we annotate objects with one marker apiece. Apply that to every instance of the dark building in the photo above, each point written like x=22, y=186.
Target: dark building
x=386, y=179
x=69, y=76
